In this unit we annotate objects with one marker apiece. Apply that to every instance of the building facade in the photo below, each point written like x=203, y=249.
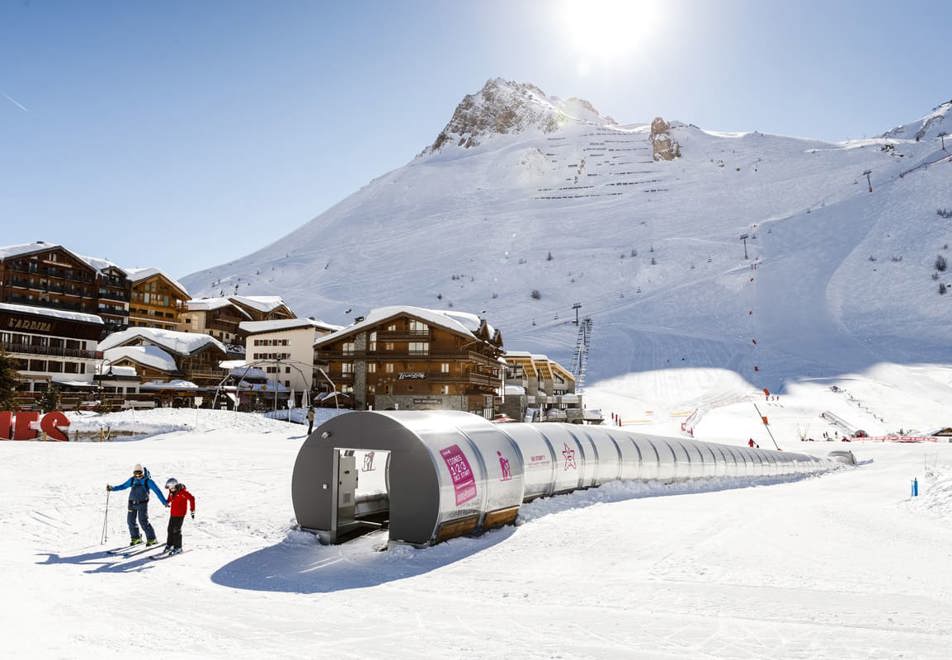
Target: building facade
x=158, y=301
x=50, y=346
x=168, y=355
x=284, y=350
x=410, y=358
x=49, y=276
x=540, y=389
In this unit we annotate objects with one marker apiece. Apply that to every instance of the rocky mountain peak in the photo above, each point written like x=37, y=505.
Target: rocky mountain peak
x=506, y=107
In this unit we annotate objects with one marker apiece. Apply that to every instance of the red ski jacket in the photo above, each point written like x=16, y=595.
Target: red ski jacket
x=179, y=501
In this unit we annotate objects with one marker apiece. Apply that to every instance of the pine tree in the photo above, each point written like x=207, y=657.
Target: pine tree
x=8, y=382
x=50, y=399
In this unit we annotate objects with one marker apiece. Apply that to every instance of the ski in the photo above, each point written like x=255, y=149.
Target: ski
x=166, y=555
x=139, y=550
x=123, y=549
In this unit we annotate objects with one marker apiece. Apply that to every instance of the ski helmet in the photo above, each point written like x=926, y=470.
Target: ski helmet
x=171, y=483
x=137, y=468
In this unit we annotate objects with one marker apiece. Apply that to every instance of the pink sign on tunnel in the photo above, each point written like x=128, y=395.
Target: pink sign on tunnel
x=464, y=481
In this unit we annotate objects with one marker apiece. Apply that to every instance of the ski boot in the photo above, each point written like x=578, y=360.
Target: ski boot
x=150, y=543
x=136, y=541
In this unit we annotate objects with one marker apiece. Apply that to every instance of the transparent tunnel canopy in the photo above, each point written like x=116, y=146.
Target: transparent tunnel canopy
x=428, y=476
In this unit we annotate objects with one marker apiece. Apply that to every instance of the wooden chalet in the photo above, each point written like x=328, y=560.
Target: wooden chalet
x=47, y=275
x=158, y=300
x=264, y=308
x=194, y=358
x=410, y=358
x=216, y=317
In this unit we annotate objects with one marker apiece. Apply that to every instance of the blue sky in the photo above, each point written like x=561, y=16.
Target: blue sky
x=187, y=134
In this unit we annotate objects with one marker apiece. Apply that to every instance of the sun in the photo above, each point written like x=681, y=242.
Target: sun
x=608, y=29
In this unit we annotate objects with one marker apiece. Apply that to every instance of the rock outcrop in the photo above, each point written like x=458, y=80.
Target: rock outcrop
x=663, y=146
x=504, y=107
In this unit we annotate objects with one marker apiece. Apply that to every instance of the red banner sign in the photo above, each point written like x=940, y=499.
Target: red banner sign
x=27, y=425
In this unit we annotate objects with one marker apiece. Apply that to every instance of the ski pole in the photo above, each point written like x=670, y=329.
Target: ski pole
x=105, y=529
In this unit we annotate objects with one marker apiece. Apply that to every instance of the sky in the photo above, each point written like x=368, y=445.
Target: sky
x=187, y=134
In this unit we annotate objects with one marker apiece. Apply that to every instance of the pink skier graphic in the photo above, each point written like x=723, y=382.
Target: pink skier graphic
x=569, y=455
x=369, y=462
x=504, y=467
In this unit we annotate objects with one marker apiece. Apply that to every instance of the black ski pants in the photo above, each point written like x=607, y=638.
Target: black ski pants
x=140, y=510
x=174, y=537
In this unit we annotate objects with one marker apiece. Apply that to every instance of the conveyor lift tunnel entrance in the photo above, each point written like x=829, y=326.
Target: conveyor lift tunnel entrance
x=433, y=475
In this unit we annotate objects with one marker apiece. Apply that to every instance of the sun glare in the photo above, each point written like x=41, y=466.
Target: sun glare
x=608, y=29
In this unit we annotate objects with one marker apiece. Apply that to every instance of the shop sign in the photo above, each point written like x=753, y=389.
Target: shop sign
x=461, y=474
x=411, y=375
x=27, y=425
x=29, y=325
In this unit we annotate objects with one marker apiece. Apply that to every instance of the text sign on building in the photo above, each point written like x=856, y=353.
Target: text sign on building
x=411, y=375
x=26, y=425
x=29, y=325
x=464, y=481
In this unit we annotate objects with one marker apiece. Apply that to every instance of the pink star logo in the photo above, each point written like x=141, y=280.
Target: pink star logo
x=569, y=455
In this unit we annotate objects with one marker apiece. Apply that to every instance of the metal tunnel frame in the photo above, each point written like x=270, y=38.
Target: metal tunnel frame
x=453, y=473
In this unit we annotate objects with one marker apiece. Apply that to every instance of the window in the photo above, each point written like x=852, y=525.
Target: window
x=445, y=389
x=287, y=370
x=349, y=348
x=373, y=341
x=419, y=348
x=371, y=367
x=371, y=389
x=388, y=346
x=445, y=368
x=392, y=327
x=388, y=367
x=418, y=327
x=347, y=367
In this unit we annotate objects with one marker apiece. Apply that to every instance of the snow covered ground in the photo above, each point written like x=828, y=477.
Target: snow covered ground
x=844, y=565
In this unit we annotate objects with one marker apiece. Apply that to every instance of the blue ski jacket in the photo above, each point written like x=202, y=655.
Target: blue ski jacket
x=140, y=487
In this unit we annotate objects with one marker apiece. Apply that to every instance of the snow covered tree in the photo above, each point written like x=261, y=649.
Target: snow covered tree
x=942, y=288
x=8, y=382
x=549, y=258
x=50, y=399
x=535, y=295
x=940, y=264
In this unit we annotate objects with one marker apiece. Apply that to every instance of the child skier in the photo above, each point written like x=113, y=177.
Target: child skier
x=140, y=483
x=179, y=501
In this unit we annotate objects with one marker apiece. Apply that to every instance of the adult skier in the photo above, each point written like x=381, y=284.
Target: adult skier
x=310, y=420
x=179, y=500
x=139, y=485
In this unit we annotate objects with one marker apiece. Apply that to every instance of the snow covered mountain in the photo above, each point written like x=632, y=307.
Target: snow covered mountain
x=522, y=192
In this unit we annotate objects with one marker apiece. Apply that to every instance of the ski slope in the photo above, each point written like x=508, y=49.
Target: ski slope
x=652, y=250
x=843, y=565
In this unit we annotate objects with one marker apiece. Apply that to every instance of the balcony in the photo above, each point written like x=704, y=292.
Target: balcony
x=30, y=349
x=114, y=295
x=50, y=304
x=404, y=335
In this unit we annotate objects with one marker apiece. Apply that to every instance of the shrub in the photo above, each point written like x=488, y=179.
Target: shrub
x=944, y=213
x=549, y=257
x=940, y=264
x=942, y=288
x=535, y=295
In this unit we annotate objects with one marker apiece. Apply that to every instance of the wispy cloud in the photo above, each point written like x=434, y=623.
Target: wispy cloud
x=15, y=102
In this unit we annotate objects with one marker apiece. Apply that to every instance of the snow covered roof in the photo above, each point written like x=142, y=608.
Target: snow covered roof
x=258, y=327
x=519, y=354
x=470, y=321
x=515, y=390
x=149, y=356
x=100, y=264
x=375, y=316
x=209, y=304
x=7, y=251
x=51, y=313
x=261, y=303
x=171, y=385
x=107, y=368
x=182, y=343
x=139, y=274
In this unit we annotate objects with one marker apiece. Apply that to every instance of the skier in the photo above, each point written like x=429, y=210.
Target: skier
x=179, y=500
x=310, y=419
x=139, y=484
x=752, y=444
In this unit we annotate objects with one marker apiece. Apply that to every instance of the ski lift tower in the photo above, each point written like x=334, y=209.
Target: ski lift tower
x=744, y=238
x=582, y=344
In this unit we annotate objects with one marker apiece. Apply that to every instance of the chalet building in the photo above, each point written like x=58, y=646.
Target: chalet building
x=50, y=346
x=46, y=275
x=410, y=358
x=218, y=318
x=285, y=350
x=264, y=308
x=540, y=389
x=165, y=356
x=158, y=301
x=113, y=290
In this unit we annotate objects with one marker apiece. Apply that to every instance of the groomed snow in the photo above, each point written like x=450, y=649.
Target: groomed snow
x=843, y=565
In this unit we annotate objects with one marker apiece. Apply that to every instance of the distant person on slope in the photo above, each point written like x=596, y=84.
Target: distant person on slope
x=310, y=419
x=139, y=484
x=179, y=500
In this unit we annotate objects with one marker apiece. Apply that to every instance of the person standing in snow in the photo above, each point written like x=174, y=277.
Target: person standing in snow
x=139, y=485
x=179, y=501
x=310, y=419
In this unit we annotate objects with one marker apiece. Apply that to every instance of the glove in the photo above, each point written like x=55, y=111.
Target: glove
x=108, y=488
x=166, y=505
x=193, y=515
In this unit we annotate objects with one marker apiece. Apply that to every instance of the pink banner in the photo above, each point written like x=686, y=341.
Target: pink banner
x=464, y=481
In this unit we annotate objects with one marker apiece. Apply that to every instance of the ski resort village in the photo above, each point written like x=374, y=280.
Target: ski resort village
x=560, y=385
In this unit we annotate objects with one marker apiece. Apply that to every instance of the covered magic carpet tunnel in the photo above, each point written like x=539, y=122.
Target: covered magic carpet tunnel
x=434, y=475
